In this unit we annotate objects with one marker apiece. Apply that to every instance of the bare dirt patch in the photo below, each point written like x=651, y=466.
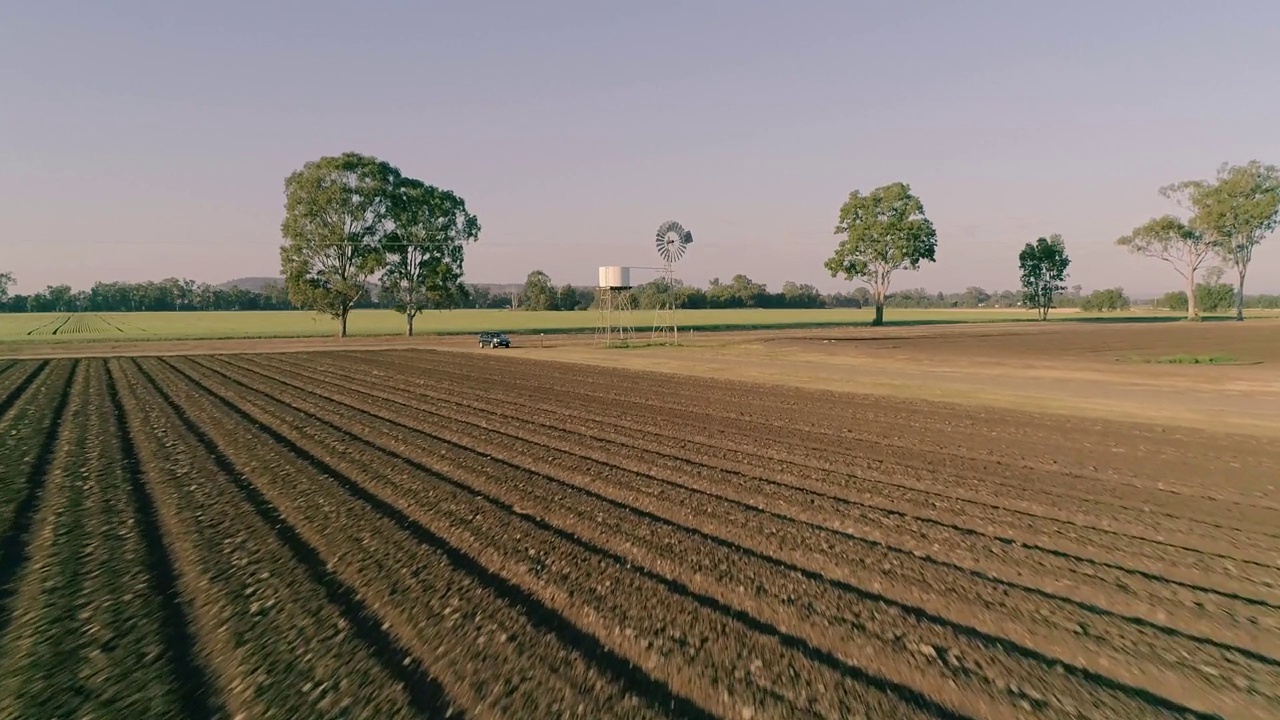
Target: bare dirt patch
x=1106, y=370
x=413, y=533
x=1083, y=369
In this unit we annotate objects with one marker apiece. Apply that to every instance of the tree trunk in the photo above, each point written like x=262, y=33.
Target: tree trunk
x=342, y=323
x=1240, y=298
x=1193, y=313
x=408, y=326
x=879, y=318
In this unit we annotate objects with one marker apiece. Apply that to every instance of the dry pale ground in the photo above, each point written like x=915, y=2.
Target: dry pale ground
x=518, y=538
x=1097, y=370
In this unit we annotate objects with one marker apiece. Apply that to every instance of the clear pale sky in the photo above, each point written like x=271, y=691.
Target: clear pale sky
x=140, y=140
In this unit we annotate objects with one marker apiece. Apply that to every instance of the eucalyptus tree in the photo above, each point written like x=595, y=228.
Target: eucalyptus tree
x=424, y=251
x=538, y=292
x=884, y=231
x=1044, y=266
x=338, y=214
x=1172, y=240
x=1237, y=210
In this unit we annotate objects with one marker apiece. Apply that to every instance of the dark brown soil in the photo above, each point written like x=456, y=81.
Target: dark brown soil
x=419, y=533
x=1249, y=342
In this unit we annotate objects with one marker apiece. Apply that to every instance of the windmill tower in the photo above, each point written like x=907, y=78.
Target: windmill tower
x=672, y=241
x=613, y=304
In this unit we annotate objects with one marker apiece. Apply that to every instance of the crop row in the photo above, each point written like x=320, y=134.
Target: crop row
x=87, y=324
x=437, y=535
x=1018, y=454
x=50, y=327
x=566, y=572
x=1112, y=637
x=917, y=520
x=91, y=618
x=1070, y=472
x=995, y=494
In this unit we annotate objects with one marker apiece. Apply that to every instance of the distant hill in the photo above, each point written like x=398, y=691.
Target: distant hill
x=256, y=284
x=500, y=288
x=252, y=284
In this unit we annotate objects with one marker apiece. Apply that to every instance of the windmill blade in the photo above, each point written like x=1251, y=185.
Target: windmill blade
x=672, y=240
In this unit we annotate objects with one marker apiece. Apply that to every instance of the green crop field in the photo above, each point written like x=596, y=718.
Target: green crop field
x=89, y=327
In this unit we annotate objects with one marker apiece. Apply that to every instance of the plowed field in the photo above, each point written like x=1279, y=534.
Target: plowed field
x=434, y=534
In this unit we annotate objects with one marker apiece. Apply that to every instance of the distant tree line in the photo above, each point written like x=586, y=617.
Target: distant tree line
x=183, y=295
x=352, y=218
x=540, y=293
x=169, y=295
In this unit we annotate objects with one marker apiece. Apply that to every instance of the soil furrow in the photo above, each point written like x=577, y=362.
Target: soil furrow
x=18, y=382
x=143, y=564
x=703, y=561
x=426, y=695
x=425, y=447
x=777, y=468
x=827, y=428
x=511, y=538
x=1112, y=634
x=826, y=413
x=968, y=436
x=1193, y=610
x=493, y=603
x=920, y=528
x=88, y=632
x=934, y=588
x=270, y=635
x=906, y=474
x=425, y=533
x=39, y=668
x=843, y=447
x=22, y=497
x=1047, y=473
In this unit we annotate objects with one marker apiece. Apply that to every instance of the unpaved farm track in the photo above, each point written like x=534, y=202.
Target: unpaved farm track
x=430, y=534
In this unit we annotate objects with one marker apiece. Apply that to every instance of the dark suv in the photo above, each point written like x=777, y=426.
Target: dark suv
x=494, y=339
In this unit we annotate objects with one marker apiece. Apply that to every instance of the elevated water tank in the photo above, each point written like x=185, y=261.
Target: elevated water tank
x=615, y=276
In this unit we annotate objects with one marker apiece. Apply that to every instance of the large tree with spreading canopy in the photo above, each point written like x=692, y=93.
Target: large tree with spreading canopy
x=884, y=231
x=337, y=218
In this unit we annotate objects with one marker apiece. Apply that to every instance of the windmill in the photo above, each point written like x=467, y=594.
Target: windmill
x=672, y=241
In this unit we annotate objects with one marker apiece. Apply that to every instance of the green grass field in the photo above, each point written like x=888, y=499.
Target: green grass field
x=90, y=327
